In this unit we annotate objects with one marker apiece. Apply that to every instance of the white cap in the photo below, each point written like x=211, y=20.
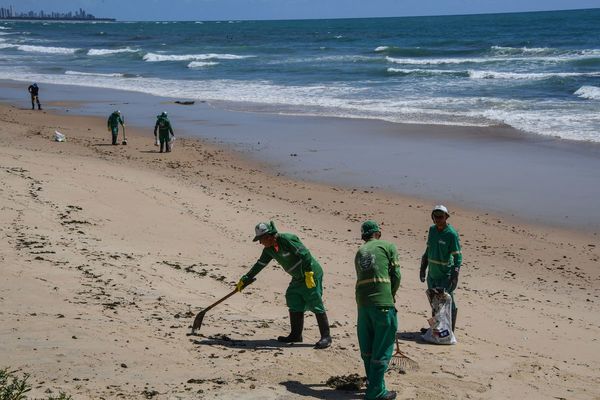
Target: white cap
x=442, y=208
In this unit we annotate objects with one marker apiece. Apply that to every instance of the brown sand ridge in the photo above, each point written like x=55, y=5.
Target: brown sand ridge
x=108, y=252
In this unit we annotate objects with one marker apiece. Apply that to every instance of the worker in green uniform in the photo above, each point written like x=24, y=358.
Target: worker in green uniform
x=377, y=281
x=113, y=125
x=442, y=258
x=164, y=129
x=305, y=291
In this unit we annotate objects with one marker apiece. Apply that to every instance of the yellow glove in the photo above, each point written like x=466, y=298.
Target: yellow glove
x=309, y=279
x=240, y=285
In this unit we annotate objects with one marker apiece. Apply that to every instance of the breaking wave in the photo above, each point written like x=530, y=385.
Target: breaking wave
x=154, y=57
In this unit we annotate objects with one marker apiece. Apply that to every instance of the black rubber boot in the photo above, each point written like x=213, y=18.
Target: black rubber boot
x=297, y=323
x=454, y=320
x=389, y=395
x=323, y=322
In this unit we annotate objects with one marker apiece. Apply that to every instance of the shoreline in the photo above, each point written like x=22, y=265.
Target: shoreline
x=108, y=251
x=494, y=169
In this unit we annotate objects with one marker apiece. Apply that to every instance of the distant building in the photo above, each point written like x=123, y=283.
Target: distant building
x=79, y=15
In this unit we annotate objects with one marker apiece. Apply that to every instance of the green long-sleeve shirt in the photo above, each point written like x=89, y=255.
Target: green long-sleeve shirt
x=114, y=120
x=443, y=252
x=377, y=273
x=163, y=126
x=291, y=254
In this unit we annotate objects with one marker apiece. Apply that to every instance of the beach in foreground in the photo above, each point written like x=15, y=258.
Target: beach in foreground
x=109, y=251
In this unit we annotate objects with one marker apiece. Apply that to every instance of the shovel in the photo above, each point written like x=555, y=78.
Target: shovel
x=200, y=316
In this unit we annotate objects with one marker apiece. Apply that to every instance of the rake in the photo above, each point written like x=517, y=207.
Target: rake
x=200, y=316
x=401, y=361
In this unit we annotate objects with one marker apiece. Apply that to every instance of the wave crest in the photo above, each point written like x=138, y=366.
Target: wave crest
x=104, y=52
x=588, y=92
x=154, y=57
x=49, y=50
x=528, y=75
x=115, y=75
x=201, y=64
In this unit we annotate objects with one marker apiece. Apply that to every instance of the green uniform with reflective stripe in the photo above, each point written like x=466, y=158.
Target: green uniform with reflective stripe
x=295, y=259
x=377, y=281
x=114, y=120
x=164, y=128
x=443, y=252
x=377, y=273
x=113, y=124
x=443, y=255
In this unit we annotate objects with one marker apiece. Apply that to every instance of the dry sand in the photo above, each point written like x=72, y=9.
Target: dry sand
x=107, y=252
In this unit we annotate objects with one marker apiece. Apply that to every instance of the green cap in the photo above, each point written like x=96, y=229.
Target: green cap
x=368, y=228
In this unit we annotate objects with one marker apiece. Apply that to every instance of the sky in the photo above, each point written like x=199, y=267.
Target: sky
x=202, y=10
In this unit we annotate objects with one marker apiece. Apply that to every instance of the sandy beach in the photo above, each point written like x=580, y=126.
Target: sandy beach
x=109, y=251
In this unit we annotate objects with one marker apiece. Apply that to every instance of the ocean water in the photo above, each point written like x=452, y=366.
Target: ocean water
x=537, y=72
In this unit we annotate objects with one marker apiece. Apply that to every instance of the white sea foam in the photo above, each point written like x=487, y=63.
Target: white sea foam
x=201, y=64
x=521, y=50
x=381, y=48
x=49, y=50
x=478, y=60
x=572, y=119
x=588, y=92
x=115, y=75
x=421, y=71
x=154, y=57
x=528, y=75
x=7, y=46
x=103, y=52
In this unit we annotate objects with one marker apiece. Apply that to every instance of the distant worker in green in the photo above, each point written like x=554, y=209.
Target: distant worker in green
x=113, y=125
x=305, y=291
x=442, y=258
x=377, y=282
x=164, y=130
x=34, y=91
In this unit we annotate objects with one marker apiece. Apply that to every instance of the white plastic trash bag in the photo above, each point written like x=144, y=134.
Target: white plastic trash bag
x=59, y=137
x=156, y=141
x=171, y=141
x=440, y=331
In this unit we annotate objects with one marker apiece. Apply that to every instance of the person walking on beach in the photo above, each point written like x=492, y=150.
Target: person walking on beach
x=442, y=258
x=377, y=282
x=165, y=131
x=305, y=291
x=34, y=91
x=113, y=125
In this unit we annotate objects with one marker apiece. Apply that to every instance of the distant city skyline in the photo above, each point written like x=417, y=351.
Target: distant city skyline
x=185, y=10
x=11, y=12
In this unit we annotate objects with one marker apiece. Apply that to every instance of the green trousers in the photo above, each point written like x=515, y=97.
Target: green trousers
x=377, y=328
x=443, y=283
x=299, y=298
x=115, y=133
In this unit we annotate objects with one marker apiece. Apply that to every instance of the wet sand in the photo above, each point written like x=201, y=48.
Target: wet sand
x=538, y=179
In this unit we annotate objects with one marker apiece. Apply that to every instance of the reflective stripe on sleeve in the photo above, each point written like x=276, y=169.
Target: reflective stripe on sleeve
x=294, y=266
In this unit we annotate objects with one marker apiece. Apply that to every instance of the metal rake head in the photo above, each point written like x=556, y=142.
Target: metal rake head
x=403, y=363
